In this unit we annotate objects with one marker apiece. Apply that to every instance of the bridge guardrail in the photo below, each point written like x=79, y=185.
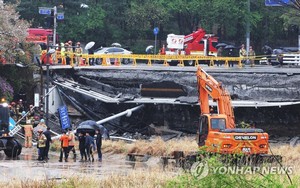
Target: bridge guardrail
x=292, y=58
x=105, y=59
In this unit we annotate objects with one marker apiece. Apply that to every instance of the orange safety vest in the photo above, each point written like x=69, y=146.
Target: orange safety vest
x=42, y=141
x=65, y=140
x=71, y=139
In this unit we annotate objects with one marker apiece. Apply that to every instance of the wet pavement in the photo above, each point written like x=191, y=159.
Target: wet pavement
x=27, y=167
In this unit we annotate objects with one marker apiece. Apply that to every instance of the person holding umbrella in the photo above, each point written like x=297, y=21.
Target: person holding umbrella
x=230, y=53
x=99, y=144
x=220, y=54
x=89, y=146
x=47, y=133
x=89, y=47
x=81, y=139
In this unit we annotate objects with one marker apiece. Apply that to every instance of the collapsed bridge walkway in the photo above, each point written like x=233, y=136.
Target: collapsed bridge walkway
x=88, y=91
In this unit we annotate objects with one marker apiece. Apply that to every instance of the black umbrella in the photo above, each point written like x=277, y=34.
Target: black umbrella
x=221, y=45
x=91, y=126
x=229, y=47
x=87, y=127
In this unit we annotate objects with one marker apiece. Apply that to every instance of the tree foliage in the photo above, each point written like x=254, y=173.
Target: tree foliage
x=131, y=22
x=6, y=89
x=12, y=28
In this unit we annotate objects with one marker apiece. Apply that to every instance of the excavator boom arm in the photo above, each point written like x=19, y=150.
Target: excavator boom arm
x=208, y=86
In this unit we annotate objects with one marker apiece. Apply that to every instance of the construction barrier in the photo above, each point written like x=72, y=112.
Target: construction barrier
x=292, y=58
x=106, y=59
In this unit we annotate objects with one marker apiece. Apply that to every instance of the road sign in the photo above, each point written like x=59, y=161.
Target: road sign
x=64, y=117
x=60, y=16
x=44, y=10
x=155, y=30
x=277, y=2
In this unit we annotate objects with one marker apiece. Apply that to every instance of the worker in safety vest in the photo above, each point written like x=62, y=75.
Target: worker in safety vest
x=41, y=145
x=42, y=123
x=28, y=128
x=64, y=146
x=37, y=50
x=70, y=52
x=251, y=56
x=46, y=58
x=243, y=53
x=163, y=50
x=78, y=53
x=72, y=143
x=63, y=53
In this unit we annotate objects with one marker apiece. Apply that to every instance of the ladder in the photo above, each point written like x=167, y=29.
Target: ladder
x=15, y=130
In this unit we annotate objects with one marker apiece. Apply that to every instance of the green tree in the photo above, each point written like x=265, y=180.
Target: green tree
x=12, y=29
x=146, y=14
x=130, y=22
x=81, y=24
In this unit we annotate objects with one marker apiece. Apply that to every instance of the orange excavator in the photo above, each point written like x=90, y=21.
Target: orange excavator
x=217, y=131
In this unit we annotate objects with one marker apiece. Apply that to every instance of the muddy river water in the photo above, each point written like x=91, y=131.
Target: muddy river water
x=26, y=167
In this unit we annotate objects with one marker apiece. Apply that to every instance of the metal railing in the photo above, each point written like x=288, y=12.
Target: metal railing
x=106, y=59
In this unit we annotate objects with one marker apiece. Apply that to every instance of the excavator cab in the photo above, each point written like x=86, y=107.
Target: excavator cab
x=207, y=123
x=202, y=130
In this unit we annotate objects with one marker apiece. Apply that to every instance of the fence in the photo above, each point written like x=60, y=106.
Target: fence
x=117, y=59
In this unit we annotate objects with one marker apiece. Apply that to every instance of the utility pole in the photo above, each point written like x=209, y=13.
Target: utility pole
x=47, y=80
x=248, y=29
x=54, y=29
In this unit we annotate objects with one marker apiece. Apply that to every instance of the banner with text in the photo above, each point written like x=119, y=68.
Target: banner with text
x=64, y=117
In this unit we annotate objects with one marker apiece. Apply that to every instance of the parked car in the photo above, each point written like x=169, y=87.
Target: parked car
x=113, y=50
x=276, y=57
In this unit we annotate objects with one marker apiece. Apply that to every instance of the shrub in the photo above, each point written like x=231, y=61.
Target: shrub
x=224, y=180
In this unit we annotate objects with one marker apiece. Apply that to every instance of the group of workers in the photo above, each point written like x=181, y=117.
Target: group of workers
x=67, y=54
x=242, y=54
x=66, y=49
x=30, y=120
x=251, y=55
x=87, y=145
